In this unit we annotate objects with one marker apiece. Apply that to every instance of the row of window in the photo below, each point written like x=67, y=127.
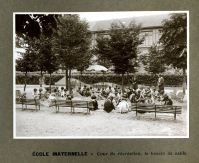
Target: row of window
x=150, y=37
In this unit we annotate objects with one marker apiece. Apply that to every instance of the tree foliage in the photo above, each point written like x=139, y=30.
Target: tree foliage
x=124, y=42
x=174, y=40
x=102, y=51
x=85, y=62
x=121, y=47
x=72, y=42
x=32, y=25
x=34, y=33
x=28, y=61
x=46, y=58
x=153, y=62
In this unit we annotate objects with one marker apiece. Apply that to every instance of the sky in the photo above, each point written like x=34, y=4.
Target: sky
x=104, y=15
x=97, y=16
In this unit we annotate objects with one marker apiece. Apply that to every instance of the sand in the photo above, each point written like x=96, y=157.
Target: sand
x=47, y=123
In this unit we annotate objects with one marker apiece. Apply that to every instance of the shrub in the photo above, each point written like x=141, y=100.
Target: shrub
x=34, y=79
x=54, y=79
x=170, y=80
x=31, y=79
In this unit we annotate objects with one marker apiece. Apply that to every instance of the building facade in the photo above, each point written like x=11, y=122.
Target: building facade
x=151, y=30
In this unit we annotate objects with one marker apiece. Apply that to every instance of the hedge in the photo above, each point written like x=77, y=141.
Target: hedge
x=170, y=80
x=34, y=79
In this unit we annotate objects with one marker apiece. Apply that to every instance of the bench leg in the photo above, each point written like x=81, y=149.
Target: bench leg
x=57, y=108
x=73, y=110
x=175, y=114
x=88, y=110
x=136, y=110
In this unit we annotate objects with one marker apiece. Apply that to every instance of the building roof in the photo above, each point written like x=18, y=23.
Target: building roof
x=145, y=21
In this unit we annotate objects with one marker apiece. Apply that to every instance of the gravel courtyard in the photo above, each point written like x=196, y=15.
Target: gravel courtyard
x=47, y=123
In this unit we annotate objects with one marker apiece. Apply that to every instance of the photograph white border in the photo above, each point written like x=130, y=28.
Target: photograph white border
x=96, y=137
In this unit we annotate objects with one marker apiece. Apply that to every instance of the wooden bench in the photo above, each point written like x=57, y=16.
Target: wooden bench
x=18, y=95
x=150, y=108
x=82, y=104
x=72, y=104
x=25, y=102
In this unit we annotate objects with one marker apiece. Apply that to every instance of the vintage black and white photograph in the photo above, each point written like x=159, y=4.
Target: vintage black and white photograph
x=101, y=75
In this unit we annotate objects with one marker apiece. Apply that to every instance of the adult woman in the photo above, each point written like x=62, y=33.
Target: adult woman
x=134, y=83
x=160, y=84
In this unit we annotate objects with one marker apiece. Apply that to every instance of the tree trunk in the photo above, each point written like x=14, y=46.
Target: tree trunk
x=184, y=81
x=69, y=83
x=79, y=79
x=41, y=80
x=50, y=82
x=66, y=78
x=122, y=83
x=128, y=79
x=25, y=81
x=103, y=79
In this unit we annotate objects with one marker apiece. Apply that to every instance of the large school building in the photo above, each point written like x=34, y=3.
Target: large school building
x=151, y=29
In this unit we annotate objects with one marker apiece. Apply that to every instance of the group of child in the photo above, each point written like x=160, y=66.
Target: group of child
x=143, y=95
x=114, y=98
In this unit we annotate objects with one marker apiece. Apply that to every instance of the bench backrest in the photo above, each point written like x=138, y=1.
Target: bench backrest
x=158, y=108
x=29, y=101
x=168, y=109
x=70, y=103
x=18, y=93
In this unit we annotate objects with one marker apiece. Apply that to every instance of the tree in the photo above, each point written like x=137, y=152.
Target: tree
x=84, y=64
x=72, y=43
x=101, y=51
x=37, y=29
x=32, y=25
x=174, y=42
x=153, y=62
x=27, y=62
x=121, y=47
x=46, y=60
